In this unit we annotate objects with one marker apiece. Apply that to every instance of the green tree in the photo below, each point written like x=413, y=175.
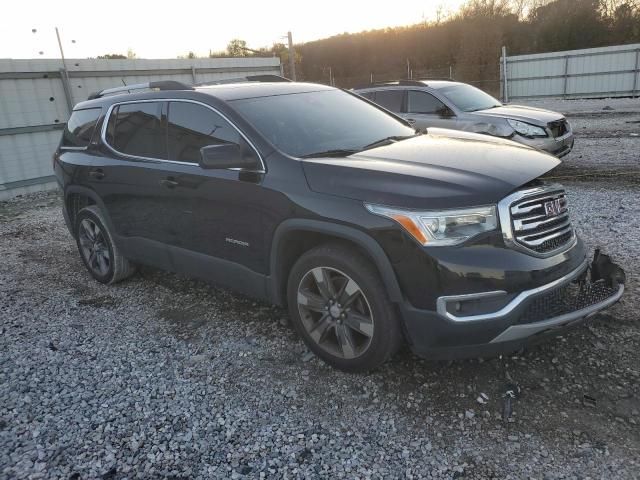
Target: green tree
x=237, y=48
x=112, y=56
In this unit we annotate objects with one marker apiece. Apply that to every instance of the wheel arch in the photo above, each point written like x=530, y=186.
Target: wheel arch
x=295, y=236
x=77, y=197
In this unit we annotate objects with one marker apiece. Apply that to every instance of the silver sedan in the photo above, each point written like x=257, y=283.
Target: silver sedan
x=459, y=106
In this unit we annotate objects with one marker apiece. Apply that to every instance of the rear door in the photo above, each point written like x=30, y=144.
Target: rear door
x=137, y=184
x=425, y=110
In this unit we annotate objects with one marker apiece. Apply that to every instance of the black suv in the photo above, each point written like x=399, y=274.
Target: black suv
x=315, y=198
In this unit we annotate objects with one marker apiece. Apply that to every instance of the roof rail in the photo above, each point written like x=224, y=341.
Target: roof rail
x=403, y=83
x=159, y=85
x=248, y=78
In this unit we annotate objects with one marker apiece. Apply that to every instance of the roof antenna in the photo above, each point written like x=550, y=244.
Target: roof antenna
x=125, y=84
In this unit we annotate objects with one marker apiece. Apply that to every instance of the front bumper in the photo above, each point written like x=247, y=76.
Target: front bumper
x=558, y=147
x=493, y=323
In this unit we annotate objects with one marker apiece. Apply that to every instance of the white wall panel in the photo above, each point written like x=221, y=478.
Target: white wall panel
x=592, y=72
x=32, y=95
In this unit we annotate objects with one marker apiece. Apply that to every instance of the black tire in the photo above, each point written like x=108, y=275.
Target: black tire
x=102, y=258
x=377, y=334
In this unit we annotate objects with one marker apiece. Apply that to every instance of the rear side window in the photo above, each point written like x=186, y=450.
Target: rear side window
x=80, y=127
x=390, y=99
x=192, y=126
x=136, y=129
x=368, y=95
x=422, y=102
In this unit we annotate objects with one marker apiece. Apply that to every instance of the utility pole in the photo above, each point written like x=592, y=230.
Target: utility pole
x=65, y=75
x=505, y=93
x=292, y=58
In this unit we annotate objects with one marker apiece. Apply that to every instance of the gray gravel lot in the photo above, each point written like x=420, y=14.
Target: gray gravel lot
x=607, y=136
x=164, y=376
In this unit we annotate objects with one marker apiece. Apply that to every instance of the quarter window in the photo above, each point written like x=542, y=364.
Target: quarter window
x=136, y=129
x=80, y=127
x=422, y=102
x=390, y=99
x=192, y=127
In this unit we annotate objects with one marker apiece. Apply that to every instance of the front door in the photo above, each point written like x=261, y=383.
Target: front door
x=225, y=222
x=427, y=111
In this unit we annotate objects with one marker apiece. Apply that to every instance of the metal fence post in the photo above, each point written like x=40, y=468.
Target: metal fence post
x=193, y=74
x=636, y=73
x=67, y=89
x=566, y=76
x=505, y=92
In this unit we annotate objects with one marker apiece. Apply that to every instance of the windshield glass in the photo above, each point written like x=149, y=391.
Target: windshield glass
x=304, y=124
x=468, y=98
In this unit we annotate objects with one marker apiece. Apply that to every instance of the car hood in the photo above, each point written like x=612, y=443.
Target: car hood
x=536, y=116
x=441, y=169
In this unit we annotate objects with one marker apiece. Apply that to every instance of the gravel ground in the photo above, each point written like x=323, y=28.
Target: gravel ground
x=607, y=135
x=164, y=376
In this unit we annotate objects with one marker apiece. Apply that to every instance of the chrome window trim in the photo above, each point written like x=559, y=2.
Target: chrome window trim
x=107, y=116
x=509, y=307
x=62, y=147
x=504, y=213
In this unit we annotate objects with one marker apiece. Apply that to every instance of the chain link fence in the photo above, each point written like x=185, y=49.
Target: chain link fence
x=484, y=76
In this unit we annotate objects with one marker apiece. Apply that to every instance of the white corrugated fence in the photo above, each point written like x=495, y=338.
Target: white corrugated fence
x=588, y=73
x=35, y=99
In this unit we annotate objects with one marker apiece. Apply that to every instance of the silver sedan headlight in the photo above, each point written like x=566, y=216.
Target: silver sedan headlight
x=438, y=228
x=527, y=129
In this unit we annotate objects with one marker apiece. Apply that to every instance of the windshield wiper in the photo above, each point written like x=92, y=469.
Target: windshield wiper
x=484, y=108
x=336, y=152
x=388, y=141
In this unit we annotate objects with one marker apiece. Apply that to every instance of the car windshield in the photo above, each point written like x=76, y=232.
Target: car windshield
x=468, y=98
x=325, y=121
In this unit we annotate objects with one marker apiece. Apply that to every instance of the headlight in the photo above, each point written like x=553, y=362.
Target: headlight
x=527, y=129
x=447, y=227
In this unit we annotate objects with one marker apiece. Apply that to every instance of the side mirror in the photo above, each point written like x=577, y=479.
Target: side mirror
x=228, y=155
x=445, y=112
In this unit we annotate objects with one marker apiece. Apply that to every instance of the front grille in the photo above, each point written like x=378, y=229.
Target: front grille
x=566, y=299
x=541, y=222
x=558, y=128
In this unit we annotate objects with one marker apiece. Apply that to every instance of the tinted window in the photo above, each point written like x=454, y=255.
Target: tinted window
x=136, y=129
x=422, y=102
x=80, y=127
x=192, y=127
x=306, y=123
x=390, y=99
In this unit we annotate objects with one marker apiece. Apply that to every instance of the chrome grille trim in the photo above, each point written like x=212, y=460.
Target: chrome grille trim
x=526, y=227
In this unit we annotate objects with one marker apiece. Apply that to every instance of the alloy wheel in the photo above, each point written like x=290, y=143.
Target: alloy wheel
x=94, y=247
x=335, y=312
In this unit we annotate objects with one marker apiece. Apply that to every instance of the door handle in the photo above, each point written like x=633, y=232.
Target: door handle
x=98, y=173
x=169, y=182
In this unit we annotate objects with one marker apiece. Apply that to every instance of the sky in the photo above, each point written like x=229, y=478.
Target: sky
x=153, y=30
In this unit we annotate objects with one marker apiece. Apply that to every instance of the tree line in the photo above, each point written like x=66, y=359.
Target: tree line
x=465, y=44
x=468, y=43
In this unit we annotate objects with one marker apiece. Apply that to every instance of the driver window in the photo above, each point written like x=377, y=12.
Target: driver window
x=423, y=102
x=193, y=126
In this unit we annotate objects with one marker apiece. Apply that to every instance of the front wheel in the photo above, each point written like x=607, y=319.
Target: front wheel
x=339, y=306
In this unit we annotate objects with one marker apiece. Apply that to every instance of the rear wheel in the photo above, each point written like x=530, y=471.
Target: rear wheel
x=339, y=306
x=98, y=251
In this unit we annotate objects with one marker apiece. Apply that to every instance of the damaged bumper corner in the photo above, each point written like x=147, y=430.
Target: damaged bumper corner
x=530, y=315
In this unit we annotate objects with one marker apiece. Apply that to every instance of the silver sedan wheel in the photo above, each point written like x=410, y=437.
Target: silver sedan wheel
x=335, y=312
x=94, y=247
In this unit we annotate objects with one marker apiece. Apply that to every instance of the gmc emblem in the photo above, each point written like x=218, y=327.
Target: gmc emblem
x=553, y=208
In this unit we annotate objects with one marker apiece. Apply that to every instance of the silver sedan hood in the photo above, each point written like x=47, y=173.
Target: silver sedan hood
x=535, y=116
